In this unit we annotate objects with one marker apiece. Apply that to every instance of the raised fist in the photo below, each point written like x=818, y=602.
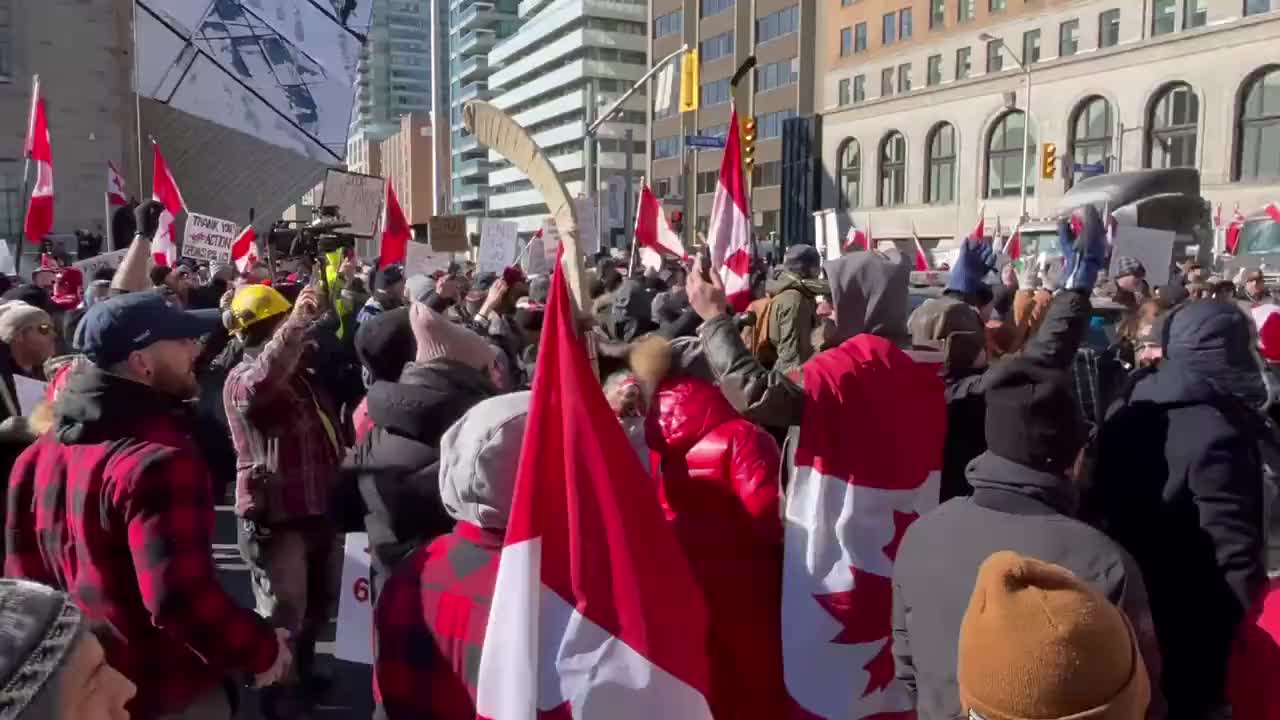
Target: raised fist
x=147, y=216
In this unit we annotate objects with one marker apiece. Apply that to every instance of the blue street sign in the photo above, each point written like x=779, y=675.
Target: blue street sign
x=1097, y=168
x=705, y=142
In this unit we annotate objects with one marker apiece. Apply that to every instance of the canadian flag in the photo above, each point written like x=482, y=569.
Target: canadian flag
x=730, y=231
x=39, y=220
x=244, y=251
x=980, y=230
x=1232, y=235
x=857, y=485
x=921, y=260
x=595, y=613
x=1272, y=209
x=1013, y=248
x=654, y=236
x=164, y=189
x=395, y=230
x=857, y=238
x=116, y=194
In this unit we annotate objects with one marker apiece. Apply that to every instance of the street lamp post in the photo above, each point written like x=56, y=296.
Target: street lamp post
x=1026, y=120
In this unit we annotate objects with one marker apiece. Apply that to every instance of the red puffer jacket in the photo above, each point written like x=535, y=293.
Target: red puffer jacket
x=720, y=489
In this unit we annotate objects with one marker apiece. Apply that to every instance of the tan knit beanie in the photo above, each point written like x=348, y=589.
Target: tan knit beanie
x=439, y=339
x=1036, y=642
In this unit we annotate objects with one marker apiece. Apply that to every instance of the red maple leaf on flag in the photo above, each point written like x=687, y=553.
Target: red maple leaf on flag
x=901, y=521
x=864, y=612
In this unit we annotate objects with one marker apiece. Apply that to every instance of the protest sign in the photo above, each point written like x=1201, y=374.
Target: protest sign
x=209, y=239
x=498, y=245
x=550, y=240
x=358, y=199
x=448, y=233
x=535, y=260
x=353, y=640
x=1154, y=248
x=98, y=262
x=30, y=393
x=421, y=259
x=588, y=209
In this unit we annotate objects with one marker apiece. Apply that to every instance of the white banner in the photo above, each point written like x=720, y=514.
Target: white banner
x=498, y=245
x=97, y=262
x=209, y=238
x=359, y=200
x=420, y=259
x=353, y=640
x=588, y=224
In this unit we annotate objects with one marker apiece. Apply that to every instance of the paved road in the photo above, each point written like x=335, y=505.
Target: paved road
x=351, y=698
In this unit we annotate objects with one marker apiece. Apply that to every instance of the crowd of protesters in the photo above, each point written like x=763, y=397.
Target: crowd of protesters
x=1099, y=550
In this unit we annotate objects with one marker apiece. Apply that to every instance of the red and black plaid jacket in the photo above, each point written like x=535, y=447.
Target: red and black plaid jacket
x=115, y=507
x=429, y=626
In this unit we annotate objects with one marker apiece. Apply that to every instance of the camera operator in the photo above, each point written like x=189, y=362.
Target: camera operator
x=288, y=441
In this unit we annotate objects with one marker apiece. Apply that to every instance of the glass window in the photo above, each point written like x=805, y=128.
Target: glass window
x=766, y=174
x=1255, y=7
x=849, y=167
x=845, y=94
x=778, y=74
x=859, y=88
x=965, y=10
x=937, y=13
x=846, y=3
x=963, y=65
x=715, y=92
x=1091, y=132
x=1005, y=157
x=942, y=165
x=666, y=147
x=999, y=5
x=846, y=41
x=860, y=37
x=716, y=47
x=1068, y=38
x=888, y=27
x=1174, y=125
x=777, y=24
x=1031, y=47
x=1163, y=17
x=669, y=24
x=1260, y=128
x=933, y=76
x=705, y=182
x=995, y=59
x=1108, y=28
x=715, y=7
x=769, y=125
x=893, y=170
x=904, y=78
x=1195, y=13
x=904, y=24
x=886, y=82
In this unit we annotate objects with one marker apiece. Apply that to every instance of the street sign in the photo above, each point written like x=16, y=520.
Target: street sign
x=1089, y=168
x=704, y=142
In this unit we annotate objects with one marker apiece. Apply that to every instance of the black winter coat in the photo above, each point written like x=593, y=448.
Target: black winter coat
x=1179, y=484
x=390, y=485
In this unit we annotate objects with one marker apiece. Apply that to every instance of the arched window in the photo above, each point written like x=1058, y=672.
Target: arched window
x=850, y=174
x=1005, y=153
x=1259, y=127
x=1091, y=132
x=893, y=170
x=942, y=165
x=1174, y=124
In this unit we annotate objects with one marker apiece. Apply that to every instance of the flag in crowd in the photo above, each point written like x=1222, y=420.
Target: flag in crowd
x=395, y=230
x=117, y=196
x=857, y=238
x=244, y=250
x=921, y=260
x=980, y=229
x=39, y=220
x=730, y=231
x=1232, y=235
x=164, y=189
x=1272, y=209
x=654, y=237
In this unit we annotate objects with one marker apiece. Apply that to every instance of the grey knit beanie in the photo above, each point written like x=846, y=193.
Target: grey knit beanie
x=39, y=627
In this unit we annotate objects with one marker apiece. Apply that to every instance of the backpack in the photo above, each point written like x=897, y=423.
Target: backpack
x=756, y=337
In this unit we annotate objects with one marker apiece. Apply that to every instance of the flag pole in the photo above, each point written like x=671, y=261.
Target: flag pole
x=26, y=177
x=631, y=261
x=137, y=97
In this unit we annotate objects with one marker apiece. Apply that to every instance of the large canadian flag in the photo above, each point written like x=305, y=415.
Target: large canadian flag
x=395, y=230
x=654, y=236
x=117, y=196
x=1272, y=209
x=1231, y=237
x=164, y=189
x=39, y=220
x=595, y=613
x=858, y=484
x=244, y=251
x=921, y=261
x=730, y=231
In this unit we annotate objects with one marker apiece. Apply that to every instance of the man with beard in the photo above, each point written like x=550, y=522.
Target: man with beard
x=133, y=548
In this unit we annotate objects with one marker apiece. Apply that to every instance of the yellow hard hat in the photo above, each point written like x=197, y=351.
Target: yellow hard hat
x=253, y=304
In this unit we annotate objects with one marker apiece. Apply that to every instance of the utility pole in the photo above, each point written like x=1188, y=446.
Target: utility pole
x=590, y=176
x=628, y=226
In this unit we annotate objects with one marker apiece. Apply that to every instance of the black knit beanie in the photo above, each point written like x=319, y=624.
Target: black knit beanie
x=1032, y=417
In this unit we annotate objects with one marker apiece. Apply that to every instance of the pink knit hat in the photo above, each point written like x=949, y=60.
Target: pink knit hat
x=440, y=339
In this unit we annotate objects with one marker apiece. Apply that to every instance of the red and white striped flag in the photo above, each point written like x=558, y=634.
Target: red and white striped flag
x=857, y=485
x=921, y=260
x=1272, y=209
x=654, y=236
x=244, y=251
x=164, y=189
x=595, y=613
x=117, y=196
x=395, y=230
x=1232, y=235
x=39, y=220
x=858, y=238
x=730, y=231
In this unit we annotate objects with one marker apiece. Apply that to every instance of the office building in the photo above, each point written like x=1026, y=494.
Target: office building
x=395, y=66
x=781, y=35
x=568, y=60
x=923, y=104
x=406, y=158
x=475, y=27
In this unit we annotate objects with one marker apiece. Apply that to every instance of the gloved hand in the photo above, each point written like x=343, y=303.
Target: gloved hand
x=147, y=217
x=975, y=259
x=1083, y=252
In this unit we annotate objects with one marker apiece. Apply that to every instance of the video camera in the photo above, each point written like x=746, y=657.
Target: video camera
x=295, y=238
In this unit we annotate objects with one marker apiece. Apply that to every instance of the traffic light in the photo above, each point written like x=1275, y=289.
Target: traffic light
x=749, y=143
x=1049, y=161
x=689, y=87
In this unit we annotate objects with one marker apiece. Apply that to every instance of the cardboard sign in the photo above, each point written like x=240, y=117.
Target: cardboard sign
x=98, y=262
x=534, y=261
x=353, y=640
x=421, y=259
x=498, y=245
x=209, y=239
x=359, y=200
x=448, y=233
x=550, y=240
x=1154, y=248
